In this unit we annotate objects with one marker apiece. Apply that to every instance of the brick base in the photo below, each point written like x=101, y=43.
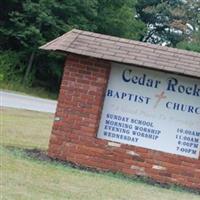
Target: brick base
x=76, y=123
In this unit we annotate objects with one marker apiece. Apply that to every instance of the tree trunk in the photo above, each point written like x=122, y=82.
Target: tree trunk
x=28, y=69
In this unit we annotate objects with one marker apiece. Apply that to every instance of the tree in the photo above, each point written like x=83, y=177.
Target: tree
x=192, y=43
x=30, y=23
x=168, y=21
x=118, y=18
x=33, y=25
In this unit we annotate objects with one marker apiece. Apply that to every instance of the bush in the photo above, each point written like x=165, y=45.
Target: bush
x=11, y=67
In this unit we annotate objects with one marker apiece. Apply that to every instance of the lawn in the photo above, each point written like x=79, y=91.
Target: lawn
x=24, y=178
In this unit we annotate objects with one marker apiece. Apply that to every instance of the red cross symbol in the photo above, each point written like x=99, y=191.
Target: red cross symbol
x=159, y=98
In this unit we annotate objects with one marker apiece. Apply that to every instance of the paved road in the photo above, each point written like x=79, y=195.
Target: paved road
x=15, y=100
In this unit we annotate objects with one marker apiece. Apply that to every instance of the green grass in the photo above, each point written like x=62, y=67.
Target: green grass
x=34, y=91
x=24, y=178
x=28, y=129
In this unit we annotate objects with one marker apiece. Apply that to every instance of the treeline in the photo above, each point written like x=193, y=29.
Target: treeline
x=27, y=24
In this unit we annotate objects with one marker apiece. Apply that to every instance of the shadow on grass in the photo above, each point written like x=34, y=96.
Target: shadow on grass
x=42, y=156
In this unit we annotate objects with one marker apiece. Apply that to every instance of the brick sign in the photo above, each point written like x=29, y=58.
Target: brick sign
x=152, y=109
x=137, y=116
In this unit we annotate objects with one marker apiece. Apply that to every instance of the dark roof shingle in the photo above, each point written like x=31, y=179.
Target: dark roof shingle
x=127, y=51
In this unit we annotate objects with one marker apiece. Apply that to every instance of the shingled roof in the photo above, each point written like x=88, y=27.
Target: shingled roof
x=127, y=51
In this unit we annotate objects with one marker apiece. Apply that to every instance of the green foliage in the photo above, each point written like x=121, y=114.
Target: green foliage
x=193, y=44
x=118, y=18
x=48, y=71
x=33, y=24
x=30, y=23
x=80, y=14
x=11, y=67
x=1, y=77
x=168, y=21
x=25, y=25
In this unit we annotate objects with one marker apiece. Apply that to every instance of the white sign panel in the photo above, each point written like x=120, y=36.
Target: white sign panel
x=152, y=109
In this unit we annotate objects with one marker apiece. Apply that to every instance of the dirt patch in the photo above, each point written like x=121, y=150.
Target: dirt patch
x=37, y=154
x=42, y=155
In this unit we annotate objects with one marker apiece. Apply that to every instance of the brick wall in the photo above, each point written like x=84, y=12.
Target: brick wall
x=76, y=123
